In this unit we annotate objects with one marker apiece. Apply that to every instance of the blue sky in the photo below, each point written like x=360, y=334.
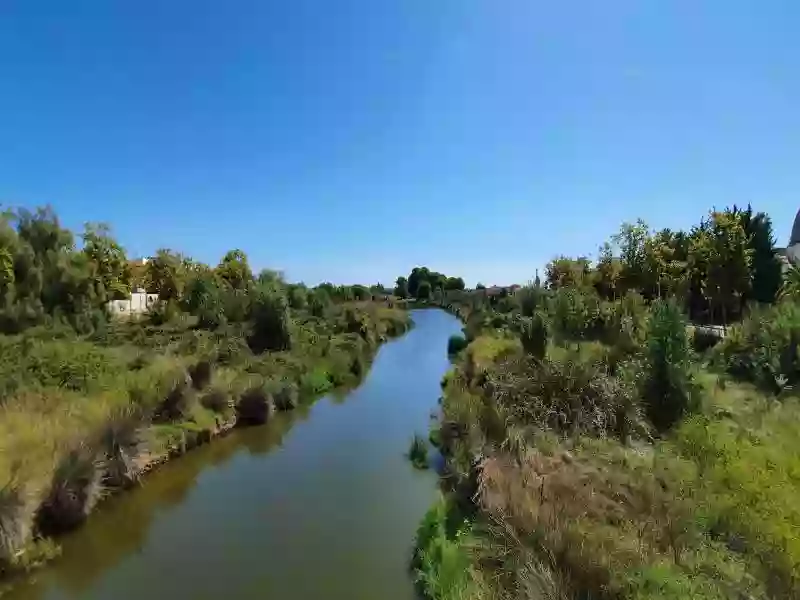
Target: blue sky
x=352, y=140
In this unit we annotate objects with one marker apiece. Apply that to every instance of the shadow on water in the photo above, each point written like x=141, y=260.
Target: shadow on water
x=318, y=503
x=121, y=527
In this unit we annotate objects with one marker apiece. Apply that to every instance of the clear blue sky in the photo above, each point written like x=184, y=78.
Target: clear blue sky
x=350, y=140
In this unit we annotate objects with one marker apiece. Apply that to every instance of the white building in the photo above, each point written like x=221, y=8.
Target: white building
x=138, y=303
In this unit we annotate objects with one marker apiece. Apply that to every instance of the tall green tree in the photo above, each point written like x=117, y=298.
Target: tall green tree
x=568, y=272
x=165, y=275
x=767, y=270
x=417, y=276
x=424, y=291
x=608, y=273
x=234, y=269
x=401, y=287
x=454, y=283
x=632, y=243
x=723, y=248
x=270, y=317
x=109, y=260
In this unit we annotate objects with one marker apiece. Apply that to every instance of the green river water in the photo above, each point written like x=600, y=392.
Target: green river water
x=318, y=504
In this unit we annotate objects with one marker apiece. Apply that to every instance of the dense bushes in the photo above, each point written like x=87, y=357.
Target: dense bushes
x=577, y=498
x=572, y=396
x=764, y=347
x=88, y=403
x=270, y=316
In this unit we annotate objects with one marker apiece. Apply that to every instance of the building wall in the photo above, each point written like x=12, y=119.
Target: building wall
x=793, y=254
x=138, y=303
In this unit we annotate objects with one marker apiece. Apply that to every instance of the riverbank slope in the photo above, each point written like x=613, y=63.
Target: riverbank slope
x=628, y=466
x=85, y=416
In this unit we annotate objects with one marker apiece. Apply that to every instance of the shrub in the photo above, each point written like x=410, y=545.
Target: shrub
x=668, y=388
x=441, y=560
x=534, y=334
x=75, y=489
x=123, y=441
x=531, y=299
x=235, y=304
x=200, y=374
x=162, y=312
x=315, y=382
x=72, y=365
x=418, y=452
x=216, y=400
x=575, y=312
x=456, y=344
x=571, y=396
x=270, y=316
x=232, y=350
x=255, y=406
x=764, y=348
x=178, y=402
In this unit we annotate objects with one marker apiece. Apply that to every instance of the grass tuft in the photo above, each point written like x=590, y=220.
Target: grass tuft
x=418, y=452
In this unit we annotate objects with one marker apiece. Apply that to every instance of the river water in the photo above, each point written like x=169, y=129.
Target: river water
x=318, y=504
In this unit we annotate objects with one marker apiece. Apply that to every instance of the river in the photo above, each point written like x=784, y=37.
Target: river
x=317, y=504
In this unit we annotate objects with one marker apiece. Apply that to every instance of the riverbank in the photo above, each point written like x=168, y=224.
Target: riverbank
x=324, y=489
x=86, y=417
x=578, y=468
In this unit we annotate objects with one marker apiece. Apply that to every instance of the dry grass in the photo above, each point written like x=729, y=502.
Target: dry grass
x=93, y=417
x=616, y=523
x=711, y=511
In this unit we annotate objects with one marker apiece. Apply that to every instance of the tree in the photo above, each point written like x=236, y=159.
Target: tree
x=276, y=277
x=418, y=275
x=728, y=258
x=200, y=290
x=424, y=290
x=110, y=263
x=401, y=287
x=270, y=317
x=608, y=273
x=298, y=296
x=361, y=293
x=165, y=275
x=437, y=280
x=631, y=241
x=319, y=300
x=668, y=379
x=234, y=269
x=454, y=283
x=766, y=269
x=568, y=272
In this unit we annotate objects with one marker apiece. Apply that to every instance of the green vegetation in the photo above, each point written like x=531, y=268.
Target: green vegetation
x=424, y=284
x=89, y=402
x=418, y=452
x=456, y=344
x=599, y=445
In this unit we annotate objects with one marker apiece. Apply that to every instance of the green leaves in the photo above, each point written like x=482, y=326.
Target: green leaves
x=234, y=269
x=668, y=379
